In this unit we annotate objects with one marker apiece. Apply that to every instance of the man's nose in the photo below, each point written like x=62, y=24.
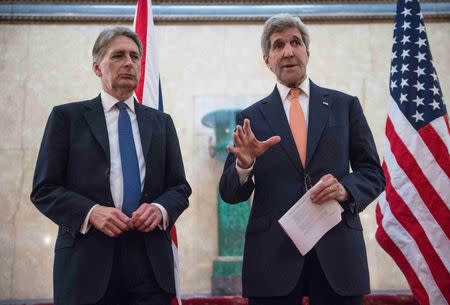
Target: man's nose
x=128, y=60
x=288, y=51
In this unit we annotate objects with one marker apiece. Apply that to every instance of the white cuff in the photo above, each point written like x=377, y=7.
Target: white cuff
x=86, y=225
x=244, y=173
x=165, y=217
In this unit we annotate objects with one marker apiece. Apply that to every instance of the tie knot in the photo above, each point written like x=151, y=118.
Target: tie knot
x=295, y=92
x=121, y=106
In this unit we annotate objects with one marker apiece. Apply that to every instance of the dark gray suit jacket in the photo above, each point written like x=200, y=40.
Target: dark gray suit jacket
x=72, y=175
x=338, y=136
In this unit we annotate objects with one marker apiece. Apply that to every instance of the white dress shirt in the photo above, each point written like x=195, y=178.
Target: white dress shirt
x=115, y=176
x=303, y=99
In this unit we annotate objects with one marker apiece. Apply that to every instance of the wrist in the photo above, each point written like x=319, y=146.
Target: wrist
x=245, y=164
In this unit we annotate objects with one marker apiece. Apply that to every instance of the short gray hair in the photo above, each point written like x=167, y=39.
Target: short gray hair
x=105, y=37
x=279, y=23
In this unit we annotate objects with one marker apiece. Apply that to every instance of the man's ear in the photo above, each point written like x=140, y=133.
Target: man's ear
x=266, y=60
x=96, y=69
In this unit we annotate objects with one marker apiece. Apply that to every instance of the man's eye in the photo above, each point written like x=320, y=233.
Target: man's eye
x=296, y=43
x=278, y=46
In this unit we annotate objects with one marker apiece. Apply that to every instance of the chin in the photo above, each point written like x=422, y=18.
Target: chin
x=291, y=83
x=128, y=84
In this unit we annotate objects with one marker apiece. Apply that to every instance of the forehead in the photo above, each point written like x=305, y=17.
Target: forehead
x=122, y=43
x=286, y=35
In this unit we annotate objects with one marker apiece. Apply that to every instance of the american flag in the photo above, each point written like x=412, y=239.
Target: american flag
x=149, y=93
x=413, y=212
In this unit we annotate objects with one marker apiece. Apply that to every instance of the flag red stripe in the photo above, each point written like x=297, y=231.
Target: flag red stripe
x=408, y=163
x=409, y=222
x=391, y=248
x=173, y=235
x=142, y=23
x=141, y=30
x=437, y=147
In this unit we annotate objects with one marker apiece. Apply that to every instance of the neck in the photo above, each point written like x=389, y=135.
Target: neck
x=119, y=94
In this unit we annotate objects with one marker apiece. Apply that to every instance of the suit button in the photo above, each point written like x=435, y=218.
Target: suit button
x=107, y=171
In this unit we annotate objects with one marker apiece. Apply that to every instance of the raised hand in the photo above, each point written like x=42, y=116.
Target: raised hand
x=247, y=147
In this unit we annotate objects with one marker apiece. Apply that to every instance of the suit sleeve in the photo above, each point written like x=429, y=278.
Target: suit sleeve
x=64, y=207
x=230, y=187
x=367, y=180
x=177, y=190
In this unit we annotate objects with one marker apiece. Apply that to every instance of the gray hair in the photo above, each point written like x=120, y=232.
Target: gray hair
x=279, y=23
x=105, y=37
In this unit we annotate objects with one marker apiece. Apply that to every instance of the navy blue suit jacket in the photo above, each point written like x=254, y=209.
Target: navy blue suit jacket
x=338, y=137
x=72, y=175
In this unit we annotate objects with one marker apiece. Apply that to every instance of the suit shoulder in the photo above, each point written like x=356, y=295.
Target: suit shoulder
x=256, y=105
x=338, y=95
x=157, y=114
x=73, y=106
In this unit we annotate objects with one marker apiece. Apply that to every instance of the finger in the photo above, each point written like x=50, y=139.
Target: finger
x=141, y=218
x=108, y=232
x=271, y=141
x=329, y=192
x=152, y=224
x=242, y=136
x=121, y=220
x=322, y=185
x=134, y=217
x=232, y=149
x=237, y=140
x=116, y=222
x=332, y=185
x=114, y=229
x=327, y=177
x=247, y=128
x=330, y=196
x=148, y=221
x=318, y=188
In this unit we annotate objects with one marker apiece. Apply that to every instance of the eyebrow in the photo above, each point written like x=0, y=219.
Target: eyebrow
x=123, y=51
x=295, y=37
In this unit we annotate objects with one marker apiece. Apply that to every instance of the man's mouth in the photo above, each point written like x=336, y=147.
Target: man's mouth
x=289, y=66
x=126, y=75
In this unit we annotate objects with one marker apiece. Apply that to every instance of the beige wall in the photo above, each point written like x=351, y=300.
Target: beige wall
x=42, y=65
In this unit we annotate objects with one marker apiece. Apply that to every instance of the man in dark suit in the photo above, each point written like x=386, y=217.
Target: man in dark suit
x=110, y=175
x=312, y=134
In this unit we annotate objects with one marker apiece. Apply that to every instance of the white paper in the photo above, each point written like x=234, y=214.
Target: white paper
x=306, y=222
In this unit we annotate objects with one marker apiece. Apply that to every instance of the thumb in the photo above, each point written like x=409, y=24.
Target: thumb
x=272, y=141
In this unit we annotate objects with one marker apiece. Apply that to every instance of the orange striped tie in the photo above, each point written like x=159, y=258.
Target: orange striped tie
x=298, y=124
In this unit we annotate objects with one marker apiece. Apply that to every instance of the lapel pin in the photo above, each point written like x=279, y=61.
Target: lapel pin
x=325, y=103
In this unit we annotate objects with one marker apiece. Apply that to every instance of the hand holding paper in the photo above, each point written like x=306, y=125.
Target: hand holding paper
x=306, y=222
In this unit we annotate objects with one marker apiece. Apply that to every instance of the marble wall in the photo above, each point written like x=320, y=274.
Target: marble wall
x=42, y=65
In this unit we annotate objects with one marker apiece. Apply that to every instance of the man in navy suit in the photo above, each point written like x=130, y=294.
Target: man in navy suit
x=110, y=175
x=297, y=136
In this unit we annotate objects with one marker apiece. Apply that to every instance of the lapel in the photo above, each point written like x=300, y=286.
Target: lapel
x=145, y=123
x=273, y=111
x=320, y=104
x=95, y=117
